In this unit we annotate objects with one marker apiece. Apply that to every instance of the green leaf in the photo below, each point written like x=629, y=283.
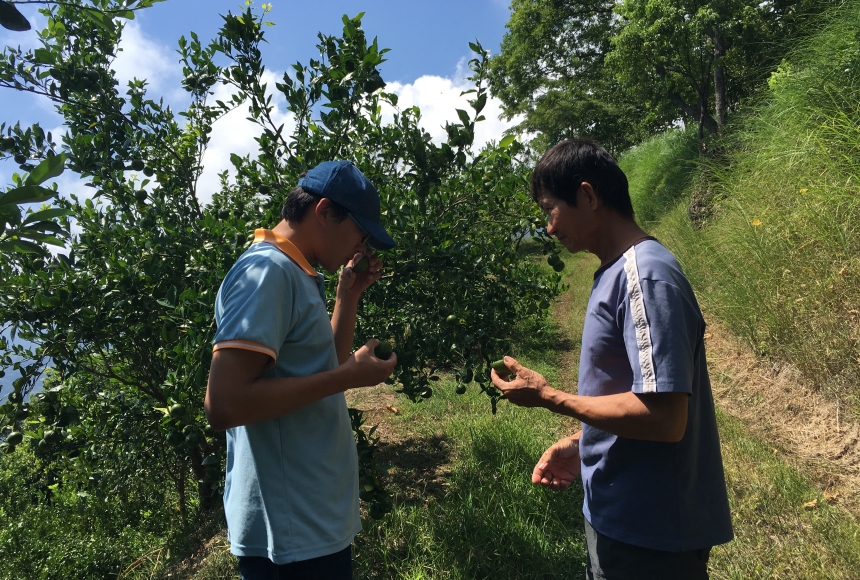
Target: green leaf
x=26, y=194
x=44, y=56
x=21, y=247
x=479, y=103
x=44, y=226
x=507, y=142
x=46, y=214
x=50, y=167
x=44, y=238
x=211, y=460
x=464, y=116
x=11, y=19
x=99, y=19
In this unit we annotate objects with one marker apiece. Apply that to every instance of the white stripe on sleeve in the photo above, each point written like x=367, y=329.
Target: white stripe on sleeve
x=640, y=322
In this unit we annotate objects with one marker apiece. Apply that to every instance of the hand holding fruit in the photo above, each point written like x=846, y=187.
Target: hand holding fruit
x=527, y=389
x=363, y=270
x=368, y=368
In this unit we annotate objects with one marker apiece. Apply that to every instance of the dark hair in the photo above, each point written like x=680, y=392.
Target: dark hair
x=299, y=201
x=564, y=167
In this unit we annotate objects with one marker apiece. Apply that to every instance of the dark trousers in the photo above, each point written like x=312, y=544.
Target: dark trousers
x=336, y=566
x=610, y=559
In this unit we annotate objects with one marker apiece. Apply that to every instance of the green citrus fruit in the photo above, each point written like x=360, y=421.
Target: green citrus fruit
x=501, y=369
x=14, y=438
x=175, y=438
x=137, y=165
x=382, y=350
x=148, y=171
x=177, y=411
x=140, y=195
x=20, y=159
x=362, y=265
x=460, y=390
x=452, y=319
x=553, y=259
x=558, y=266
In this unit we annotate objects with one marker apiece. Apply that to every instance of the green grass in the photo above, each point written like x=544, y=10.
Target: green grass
x=776, y=536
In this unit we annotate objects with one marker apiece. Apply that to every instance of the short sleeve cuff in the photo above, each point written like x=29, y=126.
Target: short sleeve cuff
x=248, y=345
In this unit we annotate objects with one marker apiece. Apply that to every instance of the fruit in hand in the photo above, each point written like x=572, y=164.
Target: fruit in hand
x=501, y=369
x=362, y=265
x=382, y=350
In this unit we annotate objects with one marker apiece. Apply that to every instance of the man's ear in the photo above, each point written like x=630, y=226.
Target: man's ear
x=322, y=210
x=589, y=196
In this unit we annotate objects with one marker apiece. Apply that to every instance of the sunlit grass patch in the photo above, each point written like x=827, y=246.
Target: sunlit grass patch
x=784, y=527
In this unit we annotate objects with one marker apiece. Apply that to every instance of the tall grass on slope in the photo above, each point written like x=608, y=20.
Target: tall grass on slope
x=659, y=172
x=779, y=262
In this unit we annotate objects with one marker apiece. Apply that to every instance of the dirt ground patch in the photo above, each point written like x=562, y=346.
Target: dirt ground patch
x=808, y=428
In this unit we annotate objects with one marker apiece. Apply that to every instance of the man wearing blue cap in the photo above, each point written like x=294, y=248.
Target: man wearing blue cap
x=279, y=370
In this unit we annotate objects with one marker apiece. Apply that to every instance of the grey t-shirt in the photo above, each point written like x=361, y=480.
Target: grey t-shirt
x=644, y=332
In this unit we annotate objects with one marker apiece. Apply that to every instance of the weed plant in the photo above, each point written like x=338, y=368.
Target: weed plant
x=779, y=258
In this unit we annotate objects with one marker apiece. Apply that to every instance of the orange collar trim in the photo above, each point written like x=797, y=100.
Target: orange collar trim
x=287, y=247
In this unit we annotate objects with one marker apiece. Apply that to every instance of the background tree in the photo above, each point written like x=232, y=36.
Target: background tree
x=122, y=325
x=551, y=72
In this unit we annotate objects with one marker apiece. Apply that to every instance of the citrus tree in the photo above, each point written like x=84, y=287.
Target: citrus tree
x=120, y=326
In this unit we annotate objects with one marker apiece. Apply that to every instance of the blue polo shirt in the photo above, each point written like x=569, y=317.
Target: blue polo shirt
x=644, y=332
x=291, y=490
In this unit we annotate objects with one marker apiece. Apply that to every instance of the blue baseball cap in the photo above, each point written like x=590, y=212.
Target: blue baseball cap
x=344, y=184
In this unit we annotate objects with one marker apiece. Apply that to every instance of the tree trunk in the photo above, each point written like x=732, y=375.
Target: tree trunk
x=698, y=113
x=720, y=102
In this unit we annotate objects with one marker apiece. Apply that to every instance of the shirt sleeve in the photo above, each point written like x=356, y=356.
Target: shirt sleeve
x=254, y=307
x=661, y=330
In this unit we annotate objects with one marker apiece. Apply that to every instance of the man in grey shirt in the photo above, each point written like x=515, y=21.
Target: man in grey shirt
x=648, y=453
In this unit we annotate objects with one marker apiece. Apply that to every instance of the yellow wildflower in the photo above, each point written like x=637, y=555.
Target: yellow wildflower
x=756, y=222
x=803, y=191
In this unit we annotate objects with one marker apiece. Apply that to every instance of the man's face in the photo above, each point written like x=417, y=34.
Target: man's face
x=345, y=239
x=571, y=225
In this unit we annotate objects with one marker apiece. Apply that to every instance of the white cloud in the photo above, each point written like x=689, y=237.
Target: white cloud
x=439, y=98
x=143, y=58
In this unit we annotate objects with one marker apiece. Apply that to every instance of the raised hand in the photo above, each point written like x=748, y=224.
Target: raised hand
x=527, y=389
x=352, y=282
